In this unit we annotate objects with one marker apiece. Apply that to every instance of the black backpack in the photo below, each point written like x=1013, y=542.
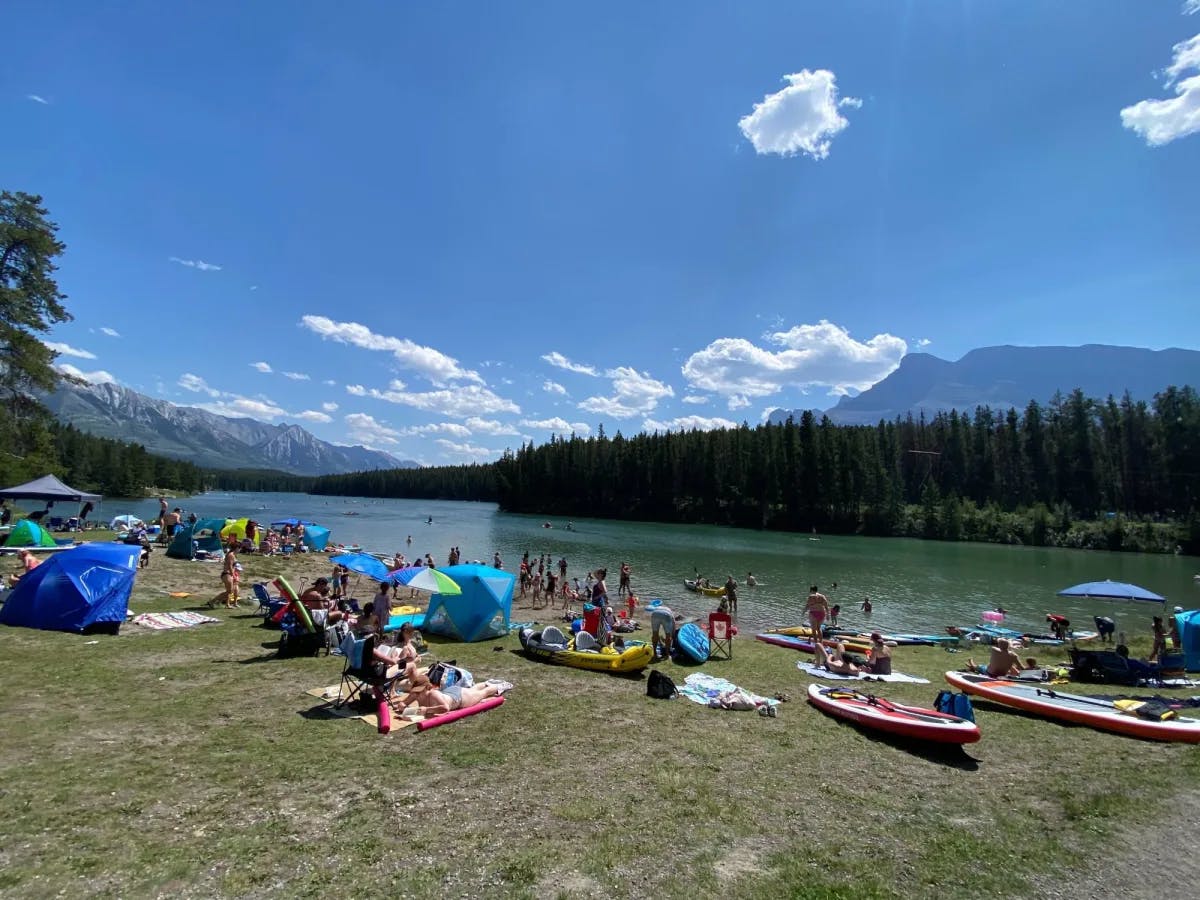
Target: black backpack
x=660, y=686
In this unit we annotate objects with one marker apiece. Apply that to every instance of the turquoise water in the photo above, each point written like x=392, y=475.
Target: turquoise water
x=914, y=585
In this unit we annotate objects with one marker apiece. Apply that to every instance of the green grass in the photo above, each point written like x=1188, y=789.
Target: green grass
x=192, y=763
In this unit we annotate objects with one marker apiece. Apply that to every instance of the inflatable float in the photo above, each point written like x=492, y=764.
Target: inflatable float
x=582, y=651
x=455, y=714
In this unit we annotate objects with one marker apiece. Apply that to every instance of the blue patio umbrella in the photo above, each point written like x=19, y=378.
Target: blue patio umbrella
x=1114, y=590
x=363, y=564
x=279, y=523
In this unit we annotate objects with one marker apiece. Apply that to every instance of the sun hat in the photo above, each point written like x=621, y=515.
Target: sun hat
x=876, y=637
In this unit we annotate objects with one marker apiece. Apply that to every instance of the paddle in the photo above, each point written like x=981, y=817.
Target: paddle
x=1054, y=695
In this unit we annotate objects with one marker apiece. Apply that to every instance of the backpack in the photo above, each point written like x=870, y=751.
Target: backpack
x=660, y=686
x=954, y=704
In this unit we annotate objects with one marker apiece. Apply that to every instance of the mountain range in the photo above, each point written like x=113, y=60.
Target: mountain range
x=1007, y=376
x=204, y=438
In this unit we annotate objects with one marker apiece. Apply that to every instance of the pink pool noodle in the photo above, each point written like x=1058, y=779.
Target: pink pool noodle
x=455, y=715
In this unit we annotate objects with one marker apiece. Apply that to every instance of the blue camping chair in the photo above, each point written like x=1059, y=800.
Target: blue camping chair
x=264, y=598
x=359, y=672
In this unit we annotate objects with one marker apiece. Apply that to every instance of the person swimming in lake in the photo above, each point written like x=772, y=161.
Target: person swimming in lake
x=866, y=606
x=751, y=581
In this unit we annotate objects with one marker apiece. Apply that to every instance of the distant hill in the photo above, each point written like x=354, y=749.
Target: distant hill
x=1006, y=376
x=218, y=442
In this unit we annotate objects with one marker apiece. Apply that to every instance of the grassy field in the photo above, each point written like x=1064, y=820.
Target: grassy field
x=192, y=763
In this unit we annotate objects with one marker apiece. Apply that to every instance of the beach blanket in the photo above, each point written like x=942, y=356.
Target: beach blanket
x=816, y=671
x=181, y=619
x=708, y=690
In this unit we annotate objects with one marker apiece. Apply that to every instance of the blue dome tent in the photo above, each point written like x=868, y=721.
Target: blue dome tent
x=206, y=533
x=85, y=590
x=1188, y=624
x=480, y=612
x=316, y=537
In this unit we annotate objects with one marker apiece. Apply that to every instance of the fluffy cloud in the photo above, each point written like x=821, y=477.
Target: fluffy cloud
x=467, y=449
x=68, y=350
x=97, y=377
x=1159, y=122
x=458, y=403
x=329, y=407
x=313, y=415
x=37, y=98
x=801, y=118
x=695, y=399
x=111, y=332
x=688, y=423
x=434, y=365
x=821, y=355
x=1191, y=6
x=262, y=367
x=558, y=425
x=634, y=393
x=451, y=428
x=489, y=426
x=553, y=387
x=925, y=342
x=244, y=408
x=295, y=376
x=195, y=264
x=559, y=361
x=365, y=428
x=196, y=385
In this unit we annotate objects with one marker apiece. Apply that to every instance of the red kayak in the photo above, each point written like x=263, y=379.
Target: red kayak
x=895, y=718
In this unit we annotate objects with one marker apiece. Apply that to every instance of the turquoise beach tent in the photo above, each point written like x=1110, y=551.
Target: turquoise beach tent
x=315, y=537
x=85, y=590
x=1188, y=624
x=29, y=534
x=482, y=610
x=206, y=533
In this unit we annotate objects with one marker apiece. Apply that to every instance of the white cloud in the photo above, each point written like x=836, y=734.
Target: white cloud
x=330, y=382
x=695, y=399
x=451, y=428
x=633, y=393
x=68, y=350
x=489, y=426
x=37, y=98
x=254, y=287
x=244, y=408
x=365, y=428
x=196, y=385
x=329, y=407
x=262, y=366
x=559, y=361
x=466, y=449
x=801, y=118
x=195, y=264
x=925, y=342
x=553, y=387
x=459, y=402
x=1191, y=6
x=312, y=415
x=295, y=376
x=434, y=365
x=111, y=332
x=1159, y=122
x=814, y=355
x=97, y=377
x=688, y=423
x=558, y=425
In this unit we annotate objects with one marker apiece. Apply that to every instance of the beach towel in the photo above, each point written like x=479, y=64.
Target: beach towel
x=707, y=690
x=163, y=621
x=816, y=671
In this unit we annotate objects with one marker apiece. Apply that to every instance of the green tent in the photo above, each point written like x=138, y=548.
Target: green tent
x=29, y=534
x=206, y=535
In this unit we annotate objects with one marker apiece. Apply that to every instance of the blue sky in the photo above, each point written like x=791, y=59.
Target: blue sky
x=442, y=229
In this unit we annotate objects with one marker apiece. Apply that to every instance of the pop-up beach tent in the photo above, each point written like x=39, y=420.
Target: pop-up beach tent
x=205, y=532
x=480, y=612
x=84, y=590
x=29, y=534
x=1188, y=624
x=316, y=537
x=47, y=488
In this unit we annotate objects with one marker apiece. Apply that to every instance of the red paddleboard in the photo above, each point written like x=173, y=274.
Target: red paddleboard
x=906, y=721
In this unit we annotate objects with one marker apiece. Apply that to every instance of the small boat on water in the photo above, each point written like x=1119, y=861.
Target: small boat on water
x=700, y=588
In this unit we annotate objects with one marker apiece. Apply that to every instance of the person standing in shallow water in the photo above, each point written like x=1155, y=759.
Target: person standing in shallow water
x=731, y=594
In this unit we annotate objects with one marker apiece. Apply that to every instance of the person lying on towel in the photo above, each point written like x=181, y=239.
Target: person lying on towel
x=434, y=701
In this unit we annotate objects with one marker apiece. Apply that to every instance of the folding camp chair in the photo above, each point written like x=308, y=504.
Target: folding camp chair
x=720, y=636
x=360, y=673
x=264, y=598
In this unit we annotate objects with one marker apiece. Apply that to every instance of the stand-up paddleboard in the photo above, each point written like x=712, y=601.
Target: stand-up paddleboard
x=805, y=645
x=693, y=642
x=1079, y=708
x=895, y=718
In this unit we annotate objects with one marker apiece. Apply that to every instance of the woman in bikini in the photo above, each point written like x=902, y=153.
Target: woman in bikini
x=834, y=660
x=879, y=660
x=817, y=607
x=229, y=576
x=434, y=701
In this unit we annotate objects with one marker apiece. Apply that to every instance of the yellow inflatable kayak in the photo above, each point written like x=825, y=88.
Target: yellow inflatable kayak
x=552, y=645
x=703, y=589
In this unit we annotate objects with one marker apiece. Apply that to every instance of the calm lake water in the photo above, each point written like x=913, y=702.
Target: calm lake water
x=914, y=585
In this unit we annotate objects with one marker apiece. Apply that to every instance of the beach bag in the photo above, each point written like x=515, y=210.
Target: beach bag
x=660, y=686
x=954, y=704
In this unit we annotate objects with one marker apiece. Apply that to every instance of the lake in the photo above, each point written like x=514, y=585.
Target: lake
x=914, y=585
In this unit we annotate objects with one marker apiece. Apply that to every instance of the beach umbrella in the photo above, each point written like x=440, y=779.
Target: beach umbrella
x=1114, y=590
x=293, y=522
x=122, y=523
x=426, y=578
x=363, y=564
